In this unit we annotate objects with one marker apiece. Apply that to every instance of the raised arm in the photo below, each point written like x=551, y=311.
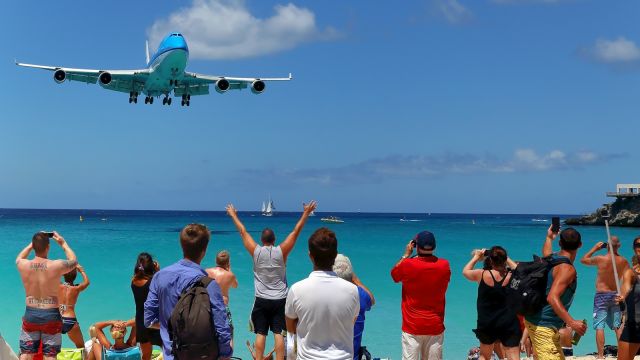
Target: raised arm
x=102, y=338
x=85, y=279
x=468, y=270
x=131, y=341
x=563, y=276
x=547, y=248
x=357, y=282
x=24, y=253
x=628, y=278
x=588, y=258
x=247, y=240
x=287, y=245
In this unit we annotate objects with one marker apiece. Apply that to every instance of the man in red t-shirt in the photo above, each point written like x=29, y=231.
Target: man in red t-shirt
x=425, y=279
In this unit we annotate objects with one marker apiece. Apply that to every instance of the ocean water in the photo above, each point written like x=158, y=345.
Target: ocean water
x=107, y=243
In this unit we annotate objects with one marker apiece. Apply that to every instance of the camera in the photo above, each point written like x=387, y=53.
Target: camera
x=48, y=233
x=486, y=253
x=604, y=246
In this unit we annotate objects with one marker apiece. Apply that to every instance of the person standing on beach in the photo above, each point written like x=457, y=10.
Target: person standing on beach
x=424, y=279
x=169, y=283
x=68, y=298
x=497, y=322
x=343, y=268
x=605, y=309
x=226, y=279
x=42, y=322
x=321, y=310
x=270, y=279
x=629, y=342
x=143, y=272
x=561, y=287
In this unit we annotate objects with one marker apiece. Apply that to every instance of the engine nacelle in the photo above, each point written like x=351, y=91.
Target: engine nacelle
x=257, y=87
x=59, y=76
x=105, y=78
x=222, y=85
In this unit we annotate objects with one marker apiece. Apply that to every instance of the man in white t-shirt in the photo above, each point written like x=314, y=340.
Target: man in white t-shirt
x=322, y=308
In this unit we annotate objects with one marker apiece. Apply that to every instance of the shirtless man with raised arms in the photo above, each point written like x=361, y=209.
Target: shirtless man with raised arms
x=605, y=309
x=226, y=279
x=42, y=322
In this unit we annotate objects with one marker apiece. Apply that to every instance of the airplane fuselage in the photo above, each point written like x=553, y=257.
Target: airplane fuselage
x=167, y=66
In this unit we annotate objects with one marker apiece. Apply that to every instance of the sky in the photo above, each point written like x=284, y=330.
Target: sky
x=484, y=106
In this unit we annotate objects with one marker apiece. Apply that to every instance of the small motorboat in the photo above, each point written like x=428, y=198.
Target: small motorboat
x=332, y=219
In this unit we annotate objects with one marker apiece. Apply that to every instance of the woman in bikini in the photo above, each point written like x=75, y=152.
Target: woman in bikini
x=142, y=273
x=118, y=331
x=68, y=296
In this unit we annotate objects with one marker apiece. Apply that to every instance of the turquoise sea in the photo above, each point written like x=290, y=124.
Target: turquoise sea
x=107, y=243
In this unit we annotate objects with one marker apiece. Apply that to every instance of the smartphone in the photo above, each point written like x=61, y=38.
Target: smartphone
x=487, y=253
x=604, y=246
x=555, y=224
x=49, y=233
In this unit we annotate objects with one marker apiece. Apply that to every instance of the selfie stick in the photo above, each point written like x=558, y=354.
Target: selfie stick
x=613, y=257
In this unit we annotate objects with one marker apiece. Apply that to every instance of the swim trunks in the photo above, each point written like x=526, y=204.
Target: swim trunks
x=606, y=310
x=230, y=319
x=68, y=323
x=41, y=326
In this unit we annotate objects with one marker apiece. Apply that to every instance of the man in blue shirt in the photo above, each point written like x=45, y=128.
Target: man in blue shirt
x=168, y=284
x=343, y=268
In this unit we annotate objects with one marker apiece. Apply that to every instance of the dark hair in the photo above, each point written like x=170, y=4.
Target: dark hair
x=268, y=236
x=145, y=267
x=194, y=239
x=70, y=277
x=39, y=242
x=570, y=239
x=222, y=258
x=323, y=246
x=497, y=257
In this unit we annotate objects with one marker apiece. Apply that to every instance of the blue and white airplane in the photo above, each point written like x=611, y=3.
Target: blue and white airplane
x=165, y=73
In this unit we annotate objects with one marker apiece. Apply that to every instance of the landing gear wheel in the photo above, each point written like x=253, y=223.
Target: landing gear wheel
x=169, y=101
x=150, y=99
x=182, y=103
x=188, y=102
x=135, y=100
x=164, y=101
x=188, y=97
x=130, y=100
x=146, y=100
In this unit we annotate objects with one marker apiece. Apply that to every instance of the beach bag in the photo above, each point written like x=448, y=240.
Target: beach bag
x=71, y=354
x=190, y=325
x=527, y=290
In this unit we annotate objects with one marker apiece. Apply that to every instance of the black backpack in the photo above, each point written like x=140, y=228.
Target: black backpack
x=190, y=325
x=527, y=290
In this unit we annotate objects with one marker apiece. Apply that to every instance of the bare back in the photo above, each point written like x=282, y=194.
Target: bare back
x=225, y=279
x=68, y=297
x=40, y=278
x=605, y=281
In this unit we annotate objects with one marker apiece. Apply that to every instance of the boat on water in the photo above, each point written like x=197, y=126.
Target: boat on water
x=268, y=207
x=332, y=219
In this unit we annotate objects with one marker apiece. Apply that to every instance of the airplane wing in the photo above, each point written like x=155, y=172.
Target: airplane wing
x=117, y=80
x=198, y=84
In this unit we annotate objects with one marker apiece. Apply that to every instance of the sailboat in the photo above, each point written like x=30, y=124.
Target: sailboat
x=268, y=211
x=264, y=208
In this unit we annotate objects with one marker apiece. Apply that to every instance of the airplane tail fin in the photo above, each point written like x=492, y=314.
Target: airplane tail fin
x=147, y=52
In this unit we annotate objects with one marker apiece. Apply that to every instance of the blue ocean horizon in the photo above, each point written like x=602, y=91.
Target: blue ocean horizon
x=108, y=241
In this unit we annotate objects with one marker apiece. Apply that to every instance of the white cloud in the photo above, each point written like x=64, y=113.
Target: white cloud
x=430, y=166
x=453, y=11
x=618, y=51
x=225, y=29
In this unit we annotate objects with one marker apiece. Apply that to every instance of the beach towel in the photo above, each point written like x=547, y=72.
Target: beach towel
x=5, y=351
x=70, y=354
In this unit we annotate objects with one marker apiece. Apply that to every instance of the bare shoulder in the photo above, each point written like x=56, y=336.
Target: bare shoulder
x=564, y=271
x=211, y=272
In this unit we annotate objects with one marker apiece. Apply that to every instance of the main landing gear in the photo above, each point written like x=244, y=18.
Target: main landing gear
x=186, y=99
x=166, y=100
x=133, y=97
x=148, y=100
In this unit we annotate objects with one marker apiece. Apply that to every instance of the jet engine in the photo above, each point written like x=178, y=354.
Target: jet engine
x=59, y=76
x=105, y=78
x=257, y=87
x=222, y=85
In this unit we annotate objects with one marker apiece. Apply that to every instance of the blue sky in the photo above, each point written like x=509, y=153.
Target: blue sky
x=415, y=106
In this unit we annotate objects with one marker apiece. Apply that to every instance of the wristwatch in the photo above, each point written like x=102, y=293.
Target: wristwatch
x=404, y=257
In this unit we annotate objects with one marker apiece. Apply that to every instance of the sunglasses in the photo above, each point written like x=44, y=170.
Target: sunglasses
x=636, y=245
